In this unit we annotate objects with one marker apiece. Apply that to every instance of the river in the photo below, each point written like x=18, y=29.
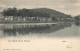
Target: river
x=40, y=37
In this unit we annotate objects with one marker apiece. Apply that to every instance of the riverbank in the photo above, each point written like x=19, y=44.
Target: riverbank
x=28, y=23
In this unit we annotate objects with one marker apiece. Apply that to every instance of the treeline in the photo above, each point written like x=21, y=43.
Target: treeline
x=23, y=12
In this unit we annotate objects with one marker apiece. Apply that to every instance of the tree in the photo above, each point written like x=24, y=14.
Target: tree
x=10, y=12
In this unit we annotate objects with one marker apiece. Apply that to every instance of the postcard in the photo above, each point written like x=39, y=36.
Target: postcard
x=39, y=25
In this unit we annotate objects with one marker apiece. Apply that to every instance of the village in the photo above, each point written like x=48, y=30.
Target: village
x=32, y=19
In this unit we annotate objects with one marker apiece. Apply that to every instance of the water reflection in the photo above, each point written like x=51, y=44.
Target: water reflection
x=16, y=29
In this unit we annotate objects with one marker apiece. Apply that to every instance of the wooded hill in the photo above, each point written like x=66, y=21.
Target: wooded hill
x=77, y=18
x=38, y=12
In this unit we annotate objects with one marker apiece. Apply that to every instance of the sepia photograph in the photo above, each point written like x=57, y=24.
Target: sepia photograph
x=39, y=25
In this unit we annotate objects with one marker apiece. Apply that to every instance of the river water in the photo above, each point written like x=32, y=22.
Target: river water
x=40, y=37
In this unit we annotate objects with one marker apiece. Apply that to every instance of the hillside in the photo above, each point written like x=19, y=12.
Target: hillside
x=38, y=12
x=77, y=18
x=50, y=12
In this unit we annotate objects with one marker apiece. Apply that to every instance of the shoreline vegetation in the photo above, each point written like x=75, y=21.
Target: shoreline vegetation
x=38, y=15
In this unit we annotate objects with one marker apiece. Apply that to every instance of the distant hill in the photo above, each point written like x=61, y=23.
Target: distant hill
x=50, y=12
x=37, y=12
x=77, y=18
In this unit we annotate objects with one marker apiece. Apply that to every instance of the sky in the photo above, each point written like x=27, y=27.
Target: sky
x=71, y=7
